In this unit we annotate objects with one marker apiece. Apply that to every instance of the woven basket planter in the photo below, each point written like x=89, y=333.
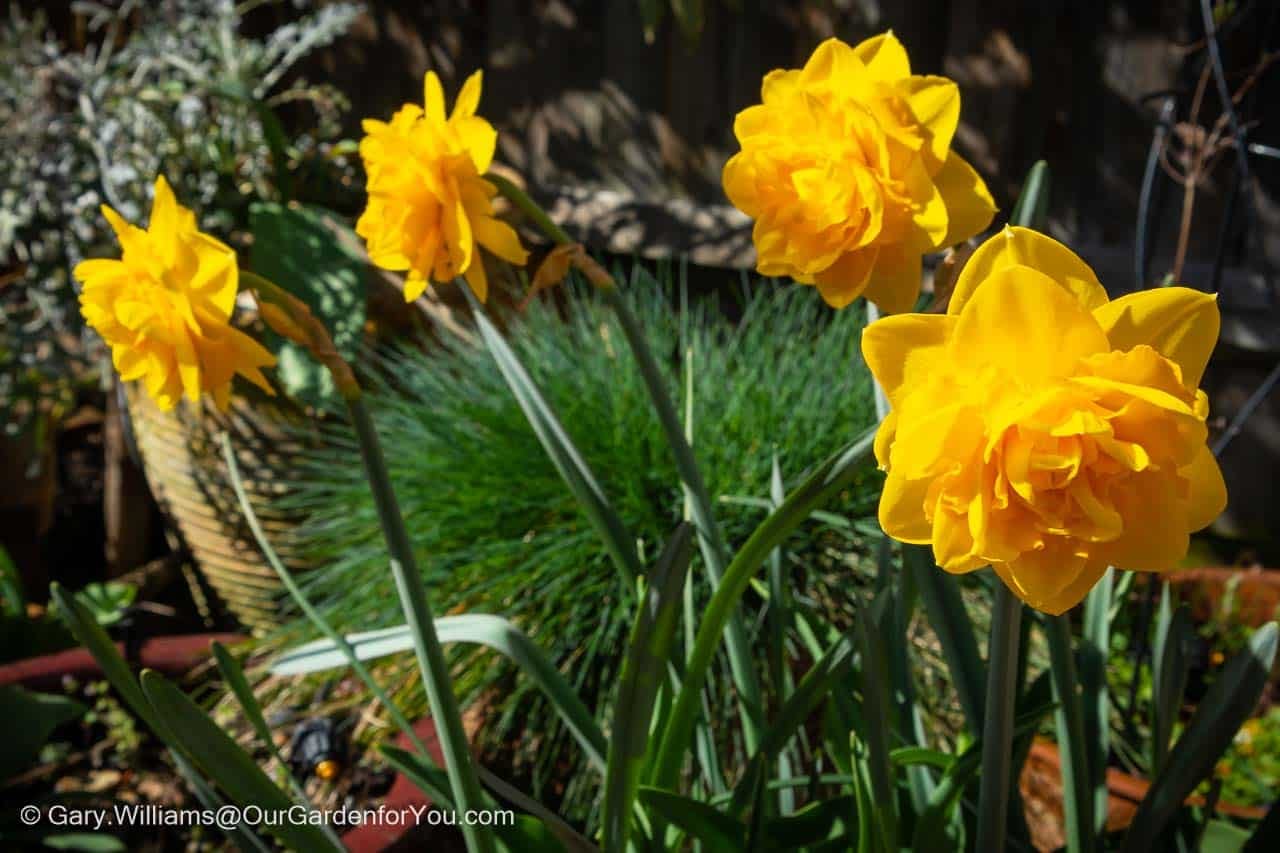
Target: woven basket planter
x=182, y=456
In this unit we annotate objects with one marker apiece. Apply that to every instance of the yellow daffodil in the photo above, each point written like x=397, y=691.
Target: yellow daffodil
x=1044, y=430
x=429, y=204
x=165, y=307
x=847, y=169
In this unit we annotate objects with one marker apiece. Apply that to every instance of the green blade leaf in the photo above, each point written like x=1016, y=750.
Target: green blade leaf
x=817, y=823
x=560, y=448
x=12, y=600
x=716, y=830
x=1218, y=717
x=233, y=769
x=1077, y=792
x=940, y=595
x=642, y=674
x=429, y=779
x=814, y=687
x=836, y=473
x=1170, y=669
x=482, y=629
x=1032, y=208
x=233, y=675
x=551, y=831
x=92, y=636
x=930, y=832
x=1095, y=647
x=869, y=623
x=34, y=716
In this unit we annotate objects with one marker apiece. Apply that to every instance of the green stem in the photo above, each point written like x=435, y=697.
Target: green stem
x=710, y=539
x=1069, y=718
x=997, y=731
x=530, y=208
x=309, y=610
x=467, y=794
x=832, y=476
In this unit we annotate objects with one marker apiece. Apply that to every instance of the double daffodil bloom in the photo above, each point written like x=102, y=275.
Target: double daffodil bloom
x=429, y=204
x=1042, y=429
x=847, y=169
x=165, y=307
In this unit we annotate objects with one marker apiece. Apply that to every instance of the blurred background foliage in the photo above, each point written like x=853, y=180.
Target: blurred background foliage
x=141, y=89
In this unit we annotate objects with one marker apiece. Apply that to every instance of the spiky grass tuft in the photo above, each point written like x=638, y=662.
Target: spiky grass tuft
x=498, y=531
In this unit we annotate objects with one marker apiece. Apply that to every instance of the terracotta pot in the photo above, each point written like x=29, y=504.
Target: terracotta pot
x=375, y=837
x=172, y=655
x=1249, y=597
x=182, y=456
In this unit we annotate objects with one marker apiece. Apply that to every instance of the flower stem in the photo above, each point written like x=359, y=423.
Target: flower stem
x=997, y=731
x=290, y=317
x=1069, y=718
x=710, y=540
x=309, y=610
x=463, y=781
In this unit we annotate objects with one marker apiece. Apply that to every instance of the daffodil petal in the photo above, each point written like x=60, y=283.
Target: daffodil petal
x=1180, y=323
x=433, y=97
x=1208, y=494
x=970, y=207
x=844, y=281
x=901, y=510
x=903, y=350
x=501, y=239
x=1016, y=246
x=477, y=278
x=884, y=56
x=935, y=102
x=469, y=96
x=1053, y=330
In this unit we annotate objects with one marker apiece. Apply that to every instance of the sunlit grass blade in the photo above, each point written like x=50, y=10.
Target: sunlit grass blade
x=559, y=447
x=838, y=472
x=1077, y=792
x=643, y=672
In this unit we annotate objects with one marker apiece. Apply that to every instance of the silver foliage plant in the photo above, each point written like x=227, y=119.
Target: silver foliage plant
x=170, y=87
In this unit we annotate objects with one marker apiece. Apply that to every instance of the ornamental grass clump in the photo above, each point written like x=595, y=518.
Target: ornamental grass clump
x=762, y=387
